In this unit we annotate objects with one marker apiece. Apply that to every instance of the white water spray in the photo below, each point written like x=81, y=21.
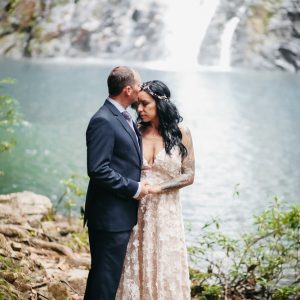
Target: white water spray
x=226, y=39
x=186, y=25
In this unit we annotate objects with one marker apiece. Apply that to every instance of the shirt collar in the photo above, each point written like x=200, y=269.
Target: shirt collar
x=117, y=105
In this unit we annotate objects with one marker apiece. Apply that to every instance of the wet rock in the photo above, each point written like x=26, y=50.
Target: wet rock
x=136, y=16
x=58, y=290
x=9, y=276
x=86, y=27
x=17, y=256
x=289, y=56
x=276, y=32
x=263, y=27
x=5, y=247
x=22, y=284
x=16, y=246
x=7, y=42
x=32, y=205
x=13, y=231
x=77, y=279
x=24, y=13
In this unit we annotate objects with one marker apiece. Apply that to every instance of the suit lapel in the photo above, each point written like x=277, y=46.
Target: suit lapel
x=130, y=132
x=139, y=136
x=127, y=127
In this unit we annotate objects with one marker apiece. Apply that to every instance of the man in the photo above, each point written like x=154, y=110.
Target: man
x=114, y=163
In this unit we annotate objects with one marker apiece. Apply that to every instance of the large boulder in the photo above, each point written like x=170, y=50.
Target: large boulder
x=24, y=206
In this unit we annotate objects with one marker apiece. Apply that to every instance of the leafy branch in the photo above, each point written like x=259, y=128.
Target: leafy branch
x=10, y=117
x=263, y=264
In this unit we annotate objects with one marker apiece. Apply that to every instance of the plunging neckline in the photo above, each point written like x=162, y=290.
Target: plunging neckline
x=155, y=158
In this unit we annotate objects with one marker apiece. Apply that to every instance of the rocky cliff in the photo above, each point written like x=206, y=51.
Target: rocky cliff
x=85, y=28
x=267, y=35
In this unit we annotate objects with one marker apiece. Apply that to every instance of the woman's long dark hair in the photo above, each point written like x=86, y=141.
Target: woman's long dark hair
x=168, y=116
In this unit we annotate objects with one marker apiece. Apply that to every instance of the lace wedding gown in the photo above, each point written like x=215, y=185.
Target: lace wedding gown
x=156, y=265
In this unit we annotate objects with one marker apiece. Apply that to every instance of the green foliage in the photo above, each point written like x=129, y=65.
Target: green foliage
x=212, y=292
x=264, y=263
x=285, y=293
x=79, y=241
x=12, y=5
x=7, y=264
x=9, y=118
x=73, y=193
x=50, y=215
x=6, y=291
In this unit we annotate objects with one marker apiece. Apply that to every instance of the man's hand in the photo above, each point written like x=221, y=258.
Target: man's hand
x=144, y=190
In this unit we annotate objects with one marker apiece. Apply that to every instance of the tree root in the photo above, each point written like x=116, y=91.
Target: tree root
x=72, y=257
x=13, y=231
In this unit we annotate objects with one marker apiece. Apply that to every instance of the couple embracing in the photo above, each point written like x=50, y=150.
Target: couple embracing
x=133, y=210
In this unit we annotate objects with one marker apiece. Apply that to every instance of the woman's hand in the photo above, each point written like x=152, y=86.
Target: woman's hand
x=154, y=189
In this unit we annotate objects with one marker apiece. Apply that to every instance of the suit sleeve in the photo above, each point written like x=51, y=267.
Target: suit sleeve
x=100, y=144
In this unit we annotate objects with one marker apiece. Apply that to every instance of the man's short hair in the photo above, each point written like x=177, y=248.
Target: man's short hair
x=118, y=78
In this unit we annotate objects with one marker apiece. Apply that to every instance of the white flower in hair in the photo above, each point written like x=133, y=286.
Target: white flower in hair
x=146, y=87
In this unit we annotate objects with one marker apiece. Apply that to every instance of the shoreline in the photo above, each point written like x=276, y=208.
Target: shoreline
x=43, y=254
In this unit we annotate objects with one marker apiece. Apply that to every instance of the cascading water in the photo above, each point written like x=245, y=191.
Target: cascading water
x=226, y=38
x=186, y=25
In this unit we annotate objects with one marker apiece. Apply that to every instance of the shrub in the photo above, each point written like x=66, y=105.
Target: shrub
x=263, y=264
x=9, y=118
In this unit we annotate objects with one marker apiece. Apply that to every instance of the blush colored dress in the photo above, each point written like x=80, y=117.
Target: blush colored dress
x=156, y=263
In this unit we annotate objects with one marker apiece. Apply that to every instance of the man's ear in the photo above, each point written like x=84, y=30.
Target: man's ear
x=127, y=90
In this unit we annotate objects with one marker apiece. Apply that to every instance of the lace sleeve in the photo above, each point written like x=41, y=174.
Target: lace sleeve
x=188, y=165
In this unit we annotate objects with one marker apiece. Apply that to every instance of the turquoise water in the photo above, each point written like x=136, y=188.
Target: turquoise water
x=245, y=127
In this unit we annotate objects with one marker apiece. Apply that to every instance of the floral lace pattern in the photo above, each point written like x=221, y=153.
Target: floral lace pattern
x=156, y=265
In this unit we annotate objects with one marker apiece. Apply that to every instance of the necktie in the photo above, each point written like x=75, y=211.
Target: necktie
x=127, y=116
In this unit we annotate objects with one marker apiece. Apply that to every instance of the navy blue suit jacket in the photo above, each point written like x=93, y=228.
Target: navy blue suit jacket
x=114, y=163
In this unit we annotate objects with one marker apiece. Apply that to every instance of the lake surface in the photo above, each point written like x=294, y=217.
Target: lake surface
x=245, y=127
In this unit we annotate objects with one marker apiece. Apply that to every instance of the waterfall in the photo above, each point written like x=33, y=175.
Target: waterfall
x=186, y=24
x=226, y=38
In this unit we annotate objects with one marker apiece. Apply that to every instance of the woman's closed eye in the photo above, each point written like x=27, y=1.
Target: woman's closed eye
x=144, y=103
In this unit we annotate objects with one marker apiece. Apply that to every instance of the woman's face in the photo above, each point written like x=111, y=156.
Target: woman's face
x=146, y=107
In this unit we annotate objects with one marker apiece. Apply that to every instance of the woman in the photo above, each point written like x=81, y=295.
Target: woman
x=156, y=264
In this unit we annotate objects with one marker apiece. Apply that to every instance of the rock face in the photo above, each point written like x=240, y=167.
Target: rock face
x=42, y=255
x=267, y=34
x=94, y=28
x=269, y=37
